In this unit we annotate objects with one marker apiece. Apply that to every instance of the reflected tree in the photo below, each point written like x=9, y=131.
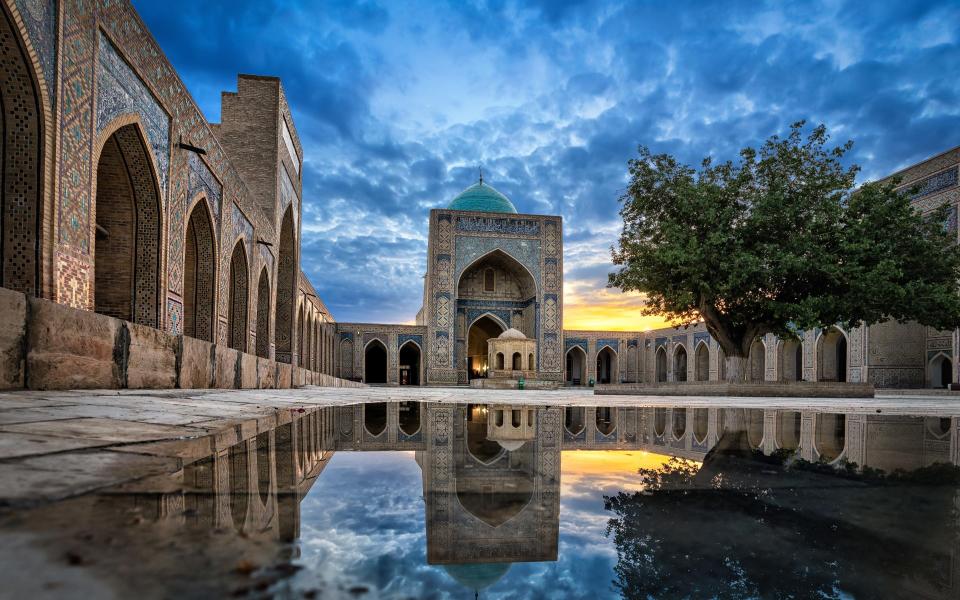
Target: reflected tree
x=745, y=525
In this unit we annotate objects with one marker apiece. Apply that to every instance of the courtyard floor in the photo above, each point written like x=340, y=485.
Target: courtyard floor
x=55, y=445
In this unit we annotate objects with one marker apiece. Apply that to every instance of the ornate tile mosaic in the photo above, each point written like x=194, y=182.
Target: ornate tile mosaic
x=40, y=19
x=498, y=225
x=121, y=91
x=612, y=342
x=526, y=252
x=76, y=123
x=933, y=184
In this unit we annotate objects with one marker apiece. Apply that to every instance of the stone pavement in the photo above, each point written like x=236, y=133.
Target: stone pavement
x=55, y=445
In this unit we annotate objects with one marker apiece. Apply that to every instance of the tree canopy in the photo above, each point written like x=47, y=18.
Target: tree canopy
x=780, y=241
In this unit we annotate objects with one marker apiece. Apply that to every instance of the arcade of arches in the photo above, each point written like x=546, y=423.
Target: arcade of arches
x=141, y=210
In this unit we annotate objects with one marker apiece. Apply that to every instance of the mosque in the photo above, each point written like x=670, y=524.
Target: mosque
x=492, y=315
x=144, y=246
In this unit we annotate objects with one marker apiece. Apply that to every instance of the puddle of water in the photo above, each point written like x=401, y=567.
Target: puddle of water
x=416, y=500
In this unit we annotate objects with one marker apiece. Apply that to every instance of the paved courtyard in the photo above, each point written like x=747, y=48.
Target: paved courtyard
x=54, y=445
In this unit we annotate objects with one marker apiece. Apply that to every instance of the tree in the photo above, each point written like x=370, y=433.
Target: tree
x=779, y=242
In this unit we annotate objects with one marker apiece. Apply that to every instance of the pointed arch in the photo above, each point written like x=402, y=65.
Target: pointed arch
x=832, y=355
x=410, y=365
x=680, y=363
x=23, y=137
x=661, y=364
x=607, y=365
x=263, y=314
x=238, y=289
x=346, y=358
x=480, y=330
x=285, y=304
x=790, y=360
x=199, y=272
x=375, y=362
x=702, y=361
x=940, y=370
x=127, y=225
x=576, y=366
x=494, y=258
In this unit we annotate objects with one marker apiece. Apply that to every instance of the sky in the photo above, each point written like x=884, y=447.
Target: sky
x=397, y=103
x=363, y=524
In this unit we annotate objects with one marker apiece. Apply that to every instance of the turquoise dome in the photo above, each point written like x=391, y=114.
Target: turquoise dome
x=481, y=197
x=477, y=576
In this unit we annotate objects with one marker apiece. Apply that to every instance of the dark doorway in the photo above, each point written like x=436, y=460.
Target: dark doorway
x=410, y=364
x=375, y=363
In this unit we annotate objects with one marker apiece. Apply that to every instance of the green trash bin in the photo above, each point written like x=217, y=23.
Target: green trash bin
x=592, y=382
x=522, y=382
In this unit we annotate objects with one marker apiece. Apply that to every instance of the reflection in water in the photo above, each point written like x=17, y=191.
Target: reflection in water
x=730, y=503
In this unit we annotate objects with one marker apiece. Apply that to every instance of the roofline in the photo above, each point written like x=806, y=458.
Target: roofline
x=922, y=162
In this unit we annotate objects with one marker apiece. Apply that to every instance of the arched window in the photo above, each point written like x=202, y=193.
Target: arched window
x=517, y=362
x=500, y=361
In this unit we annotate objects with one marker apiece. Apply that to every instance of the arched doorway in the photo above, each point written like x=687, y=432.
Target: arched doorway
x=788, y=430
x=409, y=363
x=573, y=419
x=940, y=371
x=679, y=423
x=499, y=283
x=832, y=356
x=606, y=420
x=409, y=417
x=680, y=364
x=757, y=360
x=199, y=274
x=702, y=366
x=237, y=302
x=286, y=289
x=375, y=362
x=21, y=154
x=301, y=331
x=791, y=360
x=479, y=332
x=755, y=428
x=375, y=417
x=701, y=423
x=659, y=421
x=479, y=446
x=517, y=361
x=661, y=365
x=263, y=315
x=576, y=366
x=606, y=365
x=831, y=436
x=239, y=462
x=264, y=462
x=127, y=238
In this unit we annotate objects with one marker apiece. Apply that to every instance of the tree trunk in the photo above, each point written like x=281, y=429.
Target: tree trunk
x=737, y=368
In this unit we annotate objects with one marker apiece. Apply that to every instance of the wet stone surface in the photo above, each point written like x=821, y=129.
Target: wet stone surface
x=508, y=496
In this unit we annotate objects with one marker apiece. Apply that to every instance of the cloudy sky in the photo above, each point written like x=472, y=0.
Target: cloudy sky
x=397, y=103
x=363, y=524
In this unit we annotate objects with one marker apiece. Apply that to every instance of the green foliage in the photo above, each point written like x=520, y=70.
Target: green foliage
x=780, y=241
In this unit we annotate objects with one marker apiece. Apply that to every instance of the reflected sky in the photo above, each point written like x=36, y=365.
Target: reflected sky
x=362, y=525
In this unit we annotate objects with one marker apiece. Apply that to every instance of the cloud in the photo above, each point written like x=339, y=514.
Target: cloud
x=398, y=104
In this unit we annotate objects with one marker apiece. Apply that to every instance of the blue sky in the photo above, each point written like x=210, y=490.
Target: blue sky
x=397, y=103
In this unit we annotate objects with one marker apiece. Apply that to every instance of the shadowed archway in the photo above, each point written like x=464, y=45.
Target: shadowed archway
x=127, y=237
x=199, y=274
